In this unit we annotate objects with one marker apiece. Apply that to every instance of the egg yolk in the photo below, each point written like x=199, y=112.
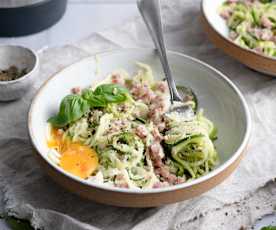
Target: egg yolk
x=76, y=158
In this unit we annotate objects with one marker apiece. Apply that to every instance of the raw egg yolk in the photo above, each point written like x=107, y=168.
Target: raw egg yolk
x=76, y=158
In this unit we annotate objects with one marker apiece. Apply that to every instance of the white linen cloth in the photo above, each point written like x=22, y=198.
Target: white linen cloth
x=248, y=194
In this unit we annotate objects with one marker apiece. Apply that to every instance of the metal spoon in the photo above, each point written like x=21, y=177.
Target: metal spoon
x=151, y=13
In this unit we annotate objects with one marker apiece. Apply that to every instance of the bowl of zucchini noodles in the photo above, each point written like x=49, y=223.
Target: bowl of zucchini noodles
x=243, y=29
x=106, y=134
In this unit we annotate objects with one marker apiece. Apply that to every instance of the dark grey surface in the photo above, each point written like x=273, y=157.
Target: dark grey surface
x=30, y=18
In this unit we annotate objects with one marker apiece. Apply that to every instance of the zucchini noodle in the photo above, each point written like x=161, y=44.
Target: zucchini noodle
x=191, y=144
x=196, y=155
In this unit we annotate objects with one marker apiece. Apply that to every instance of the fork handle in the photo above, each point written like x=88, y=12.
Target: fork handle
x=151, y=13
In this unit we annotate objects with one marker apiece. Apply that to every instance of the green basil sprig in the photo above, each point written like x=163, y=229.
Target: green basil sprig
x=269, y=228
x=265, y=1
x=73, y=107
x=94, y=100
x=112, y=93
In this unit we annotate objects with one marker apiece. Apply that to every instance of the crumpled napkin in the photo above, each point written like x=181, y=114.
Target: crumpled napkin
x=248, y=194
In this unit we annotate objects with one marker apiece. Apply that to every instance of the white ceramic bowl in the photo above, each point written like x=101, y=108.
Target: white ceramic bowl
x=218, y=32
x=221, y=100
x=22, y=58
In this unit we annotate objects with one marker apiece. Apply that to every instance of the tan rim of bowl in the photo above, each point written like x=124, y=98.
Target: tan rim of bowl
x=133, y=200
x=249, y=58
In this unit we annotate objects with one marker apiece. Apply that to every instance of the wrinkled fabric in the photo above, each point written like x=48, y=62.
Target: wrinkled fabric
x=247, y=195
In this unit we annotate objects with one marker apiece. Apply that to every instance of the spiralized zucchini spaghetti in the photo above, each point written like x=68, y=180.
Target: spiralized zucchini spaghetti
x=252, y=24
x=118, y=133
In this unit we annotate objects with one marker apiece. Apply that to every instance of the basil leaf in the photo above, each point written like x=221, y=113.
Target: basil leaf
x=112, y=93
x=72, y=108
x=265, y=1
x=269, y=228
x=17, y=224
x=58, y=121
x=94, y=100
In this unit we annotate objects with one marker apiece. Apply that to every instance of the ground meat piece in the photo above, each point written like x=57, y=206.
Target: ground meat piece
x=225, y=14
x=141, y=131
x=162, y=86
x=76, y=90
x=158, y=102
x=154, y=151
x=266, y=22
x=156, y=134
x=142, y=92
x=156, y=109
x=149, y=97
x=120, y=181
x=123, y=185
x=180, y=180
x=266, y=35
x=232, y=1
x=160, y=168
x=155, y=115
x=161, y=184
x=249, y=2
x=258, y=50
x=165, y=173
x=117, y=79
x=119, y=177
x=255, y=31
x=161, y=126
x=116, y=126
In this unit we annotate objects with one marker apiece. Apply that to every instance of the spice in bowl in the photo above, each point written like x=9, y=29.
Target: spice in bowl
x=12, y=73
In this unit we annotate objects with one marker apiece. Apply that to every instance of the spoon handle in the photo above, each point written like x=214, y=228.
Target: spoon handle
x=151, y=13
